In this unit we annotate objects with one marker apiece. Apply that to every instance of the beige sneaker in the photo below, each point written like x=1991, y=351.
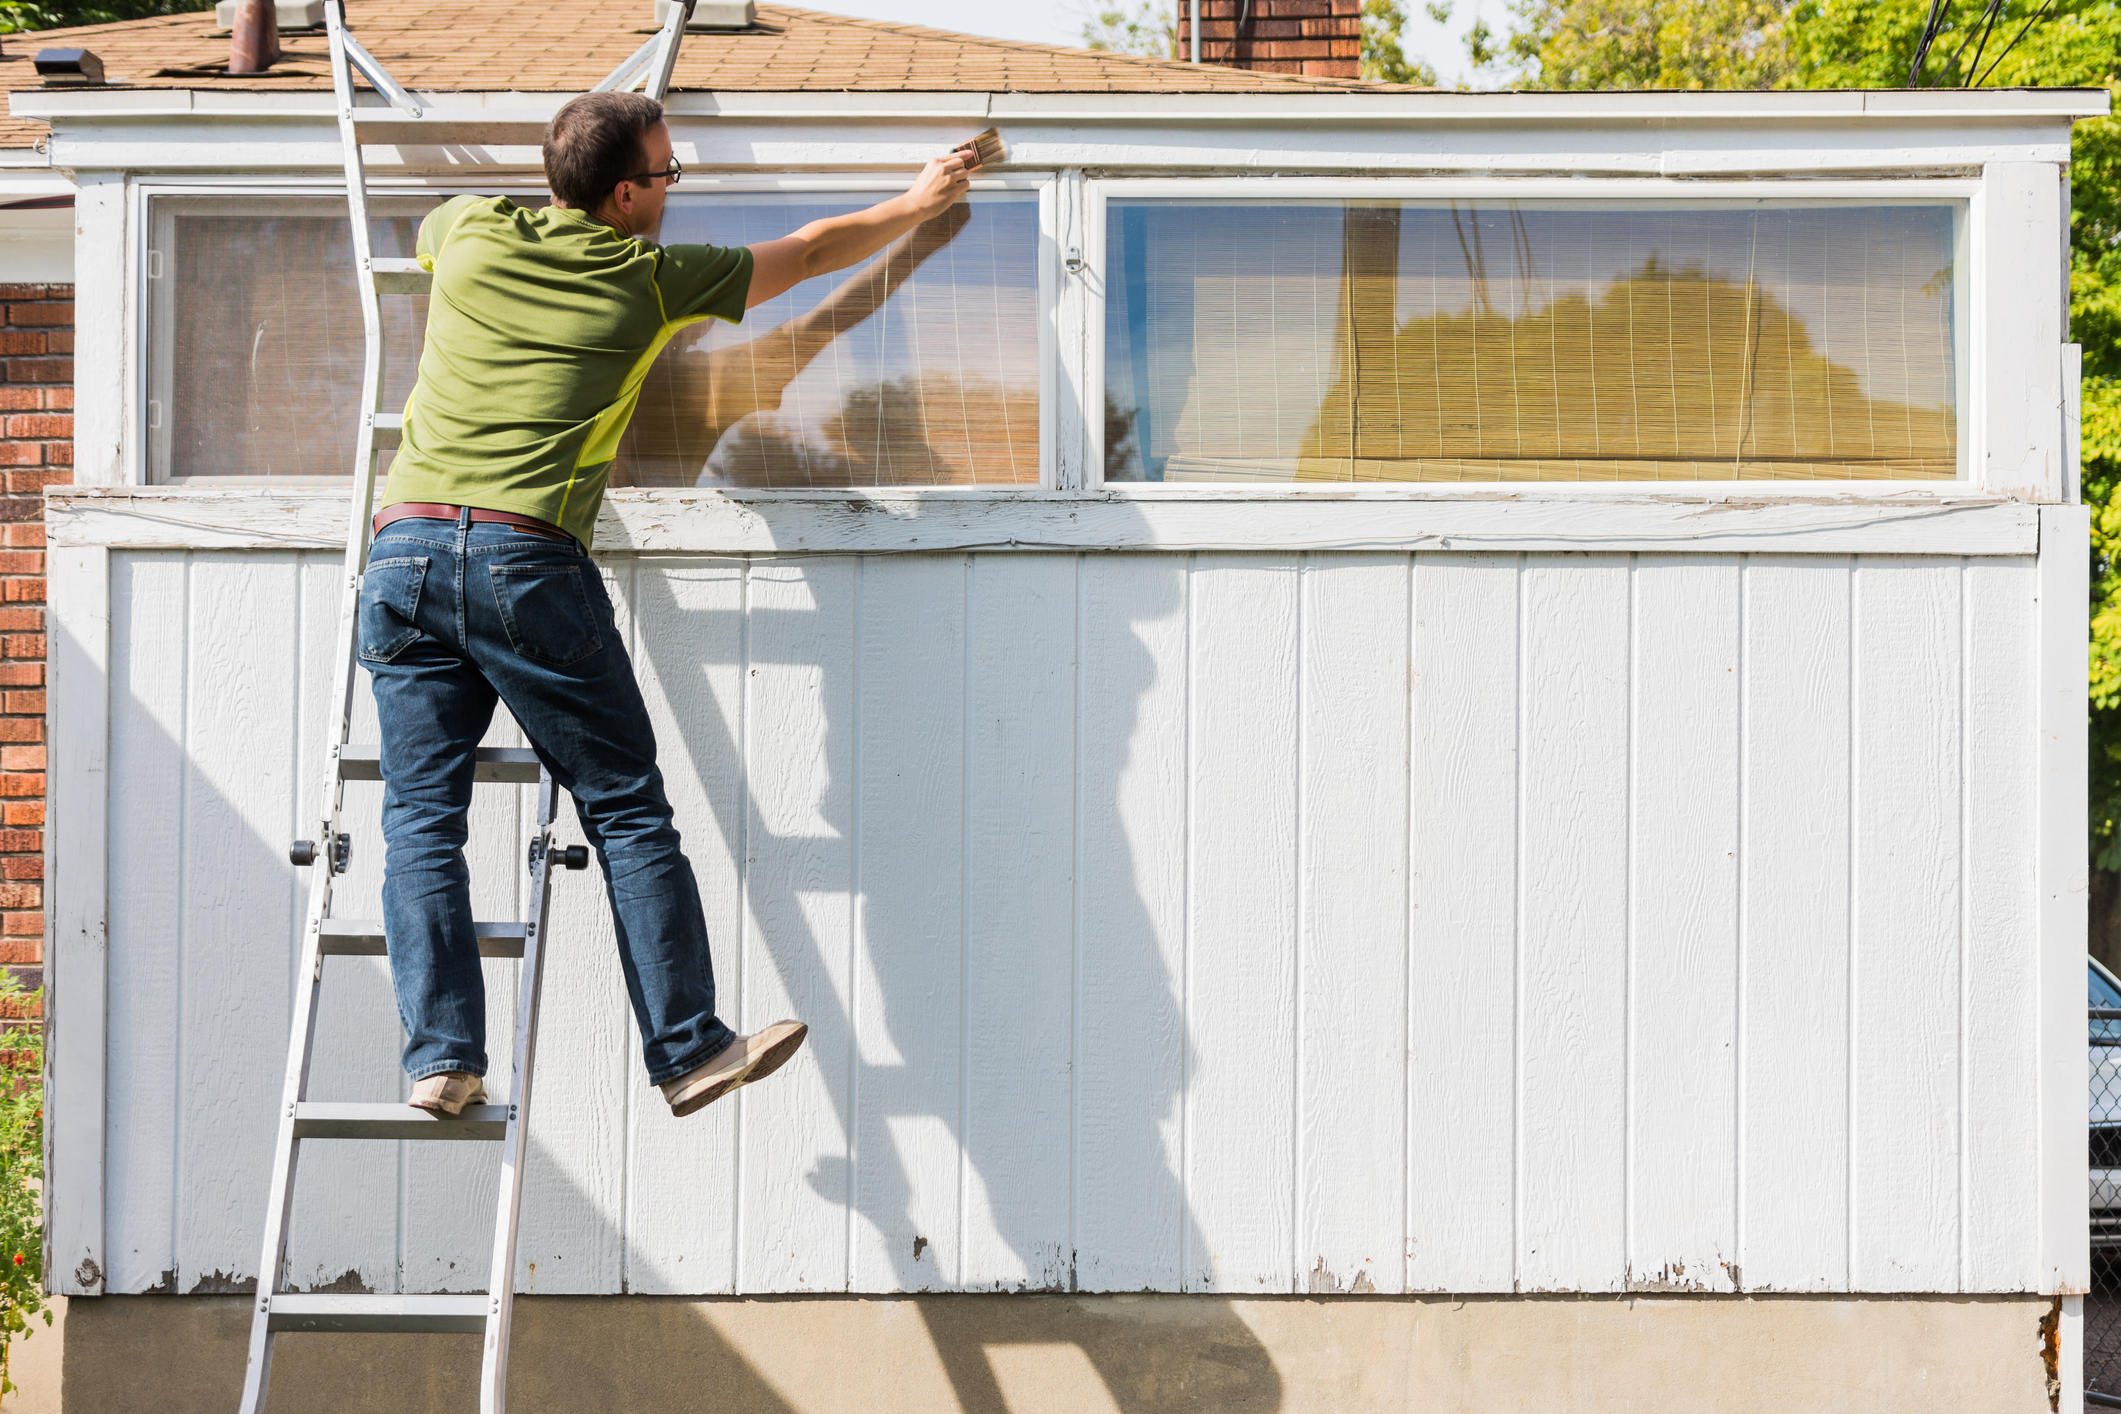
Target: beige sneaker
x=448, y=1093
x=742, y=1061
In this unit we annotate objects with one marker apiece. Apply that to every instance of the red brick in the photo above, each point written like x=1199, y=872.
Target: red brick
x=21, y=951
x=18, y=895
x=32, y=481
x=15, y=785
x=58, y=399
x=21, y=675
x=25, y=812
x=42, y=314
x=18, y=841
x=59, y=453
x=16, y=399
x=18, y=1006
x=36, y=291
x=49, y=424
x=21, y=758
x=23, y=591
x=25, y=535
x=22, y=866
x=21, y=454
x=25, y=704
x=20, y=507
x=59, y=341
x=20, y=342
x=40, y=370
x=22, y=645
x=20, y=729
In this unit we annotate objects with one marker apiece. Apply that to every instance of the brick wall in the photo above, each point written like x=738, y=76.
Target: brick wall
x=1322, y=38
x=36, y=450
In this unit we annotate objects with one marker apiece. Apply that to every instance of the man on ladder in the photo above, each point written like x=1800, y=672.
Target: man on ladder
x=541, y=327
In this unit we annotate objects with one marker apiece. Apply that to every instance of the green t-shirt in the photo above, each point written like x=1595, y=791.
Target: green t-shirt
x=540, y=329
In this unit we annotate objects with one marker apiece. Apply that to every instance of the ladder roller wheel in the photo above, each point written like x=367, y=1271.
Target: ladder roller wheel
x=575, y=856
x=302, y=853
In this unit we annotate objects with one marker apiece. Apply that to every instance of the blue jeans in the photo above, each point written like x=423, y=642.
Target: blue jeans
x=457, y=616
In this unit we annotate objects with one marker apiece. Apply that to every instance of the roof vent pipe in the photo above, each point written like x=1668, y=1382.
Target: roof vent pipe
x=254, y=40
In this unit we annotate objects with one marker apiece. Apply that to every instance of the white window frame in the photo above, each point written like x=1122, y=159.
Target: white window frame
x=1975, y=310
x=147, y=332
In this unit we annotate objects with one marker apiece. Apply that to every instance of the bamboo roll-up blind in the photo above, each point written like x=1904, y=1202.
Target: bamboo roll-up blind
x=918, y=367
x=1405, y=341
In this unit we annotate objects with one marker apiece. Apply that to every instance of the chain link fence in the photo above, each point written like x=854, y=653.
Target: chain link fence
x=2102, y=1309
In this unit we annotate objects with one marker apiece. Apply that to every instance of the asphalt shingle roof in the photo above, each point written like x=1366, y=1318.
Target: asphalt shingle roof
x=565, y=46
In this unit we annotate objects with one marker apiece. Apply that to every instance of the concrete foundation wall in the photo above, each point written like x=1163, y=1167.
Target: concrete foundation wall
x=1091, y=1355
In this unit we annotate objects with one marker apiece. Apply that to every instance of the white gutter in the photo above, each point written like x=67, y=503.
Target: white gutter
x=1486, y=109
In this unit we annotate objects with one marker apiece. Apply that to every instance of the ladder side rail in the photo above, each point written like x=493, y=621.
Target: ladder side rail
x=626, y=75
x=302, y=1031
x=666, y=58
x=379, y=77
x=500, y=1286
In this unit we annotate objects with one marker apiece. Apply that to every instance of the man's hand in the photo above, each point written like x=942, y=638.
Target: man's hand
x=840, y=241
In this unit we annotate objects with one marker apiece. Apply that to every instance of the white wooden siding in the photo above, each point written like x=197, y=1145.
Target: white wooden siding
x=1271, y=922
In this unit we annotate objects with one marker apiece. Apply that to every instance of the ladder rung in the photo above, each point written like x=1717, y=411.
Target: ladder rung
x=449, y=127
x=390, y=429
x=435, y=1314
x=399, y=277
x=517, y=765
x=332, y=1120
x=363, y=937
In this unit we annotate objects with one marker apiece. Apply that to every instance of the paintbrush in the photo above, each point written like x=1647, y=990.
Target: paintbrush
x=986, y=149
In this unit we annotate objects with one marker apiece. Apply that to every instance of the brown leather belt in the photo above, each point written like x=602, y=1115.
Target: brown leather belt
x=435, y=510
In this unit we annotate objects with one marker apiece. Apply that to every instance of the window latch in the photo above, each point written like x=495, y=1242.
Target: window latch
x=1074, y=261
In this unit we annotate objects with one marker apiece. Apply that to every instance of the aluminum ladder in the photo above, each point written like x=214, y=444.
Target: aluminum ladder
x=406, y=121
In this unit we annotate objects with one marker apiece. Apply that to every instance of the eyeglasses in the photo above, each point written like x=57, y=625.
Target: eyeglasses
x=674, y=171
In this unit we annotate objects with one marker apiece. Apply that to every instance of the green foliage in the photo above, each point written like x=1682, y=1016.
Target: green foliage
x=1383, y=57
x=17, y=16
x=1145, y=27
x=21, y=1167
x=1607, y=44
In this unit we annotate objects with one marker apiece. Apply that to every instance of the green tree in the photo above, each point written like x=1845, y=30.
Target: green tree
x=1383, y=55
x=19, y=15
x=1606, y=44
x=1145, y=27
x=21, y=1166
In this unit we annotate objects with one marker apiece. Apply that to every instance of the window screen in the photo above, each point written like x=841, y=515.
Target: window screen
x=254, y=327
x=1522, y=341
x=918, y=367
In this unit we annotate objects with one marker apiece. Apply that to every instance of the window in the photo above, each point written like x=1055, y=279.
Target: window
x=1422, y=341
x=917, y=367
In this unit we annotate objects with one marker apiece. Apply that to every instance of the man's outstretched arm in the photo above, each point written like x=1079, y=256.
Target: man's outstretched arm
x=840, y=241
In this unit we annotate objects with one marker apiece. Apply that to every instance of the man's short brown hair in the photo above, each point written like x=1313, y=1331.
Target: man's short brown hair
x=595, y=142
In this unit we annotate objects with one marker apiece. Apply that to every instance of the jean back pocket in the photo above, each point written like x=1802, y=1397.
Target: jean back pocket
x=390, y=606
x=546, y=612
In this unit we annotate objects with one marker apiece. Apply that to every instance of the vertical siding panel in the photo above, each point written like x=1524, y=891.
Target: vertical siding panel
x=1461, y=1101
x=1130, y=1057
x=148, y=884
x=344, y=1226
x=1795, y=1220
x=1353, y=1081
x=1572, y=964
x=792, y=1134
x=1907, y=992
x=2000, y=1140
x=1682, y=1230
x=910, y=843
x=1019, y=1001
x=1242, y=933
x=238, y=925
x=573, y=1184
x=681, y=1173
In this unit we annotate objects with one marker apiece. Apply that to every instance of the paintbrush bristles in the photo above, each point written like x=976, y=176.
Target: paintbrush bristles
x=986, y=149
